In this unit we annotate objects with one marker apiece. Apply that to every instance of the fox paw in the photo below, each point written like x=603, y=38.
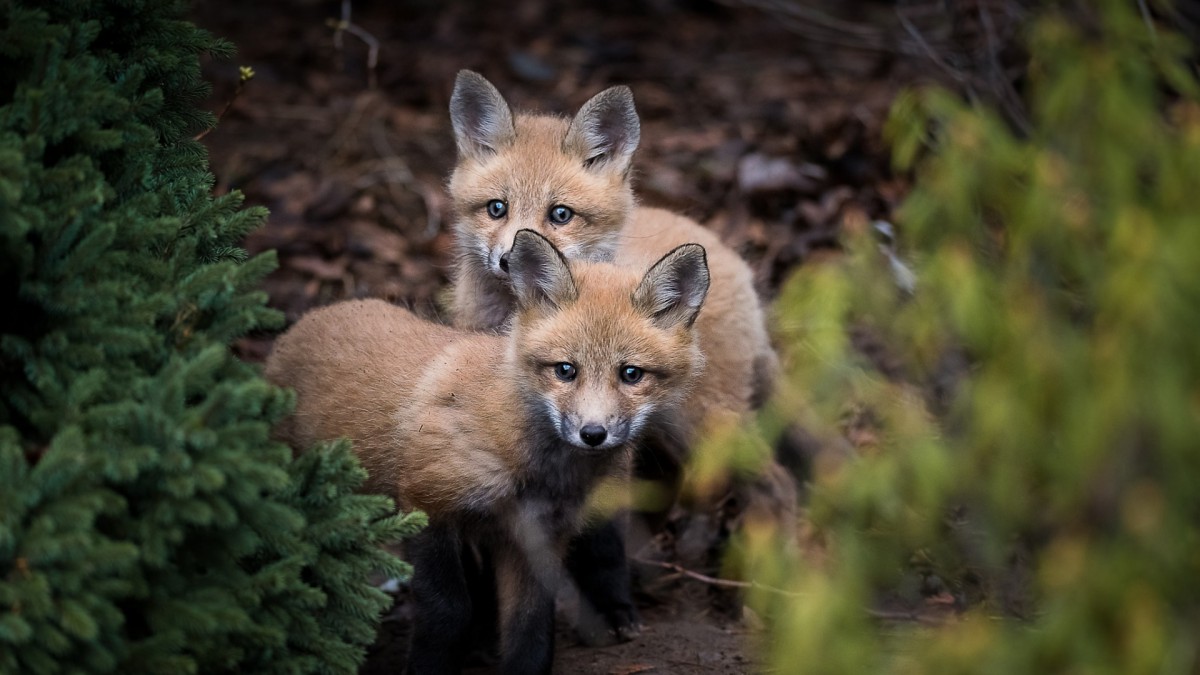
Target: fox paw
x=616, y=627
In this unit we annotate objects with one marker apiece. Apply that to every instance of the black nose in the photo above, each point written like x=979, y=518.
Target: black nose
x=504, y=262
x=593, y=434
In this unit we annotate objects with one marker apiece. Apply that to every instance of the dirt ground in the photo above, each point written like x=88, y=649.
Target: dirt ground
x=768, y=137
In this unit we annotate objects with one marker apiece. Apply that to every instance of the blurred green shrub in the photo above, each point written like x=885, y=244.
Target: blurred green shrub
x=1028, y=420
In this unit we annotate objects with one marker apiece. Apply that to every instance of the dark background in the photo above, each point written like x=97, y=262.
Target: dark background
x=762, y=120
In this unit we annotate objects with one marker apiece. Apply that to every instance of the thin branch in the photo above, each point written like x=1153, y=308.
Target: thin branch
x=396, y=171
x=1008, y=97
x=714, y=581
x=245, y=74
x=1149, y=22
x=928, y=49
x=347, y=26
x=883, y=615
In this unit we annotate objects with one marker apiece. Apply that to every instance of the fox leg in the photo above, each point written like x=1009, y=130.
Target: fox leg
x=442, y=602
x=526, y=614
x=481, y=584
x=596, y=560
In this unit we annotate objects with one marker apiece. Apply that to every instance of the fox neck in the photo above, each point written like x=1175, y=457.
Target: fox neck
x=560, y=478
x=482, y=300
x=555, y=477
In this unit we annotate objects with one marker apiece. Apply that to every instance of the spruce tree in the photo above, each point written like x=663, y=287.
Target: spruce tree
x=147, y=522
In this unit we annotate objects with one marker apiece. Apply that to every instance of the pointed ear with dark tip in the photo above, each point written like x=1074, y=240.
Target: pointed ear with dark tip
x=482, y=120
x=674, y=289
x=539, y=273
x=606, y=130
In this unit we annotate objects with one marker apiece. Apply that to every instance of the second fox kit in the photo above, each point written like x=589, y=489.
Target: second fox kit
x=570, y=180
x=499, y=439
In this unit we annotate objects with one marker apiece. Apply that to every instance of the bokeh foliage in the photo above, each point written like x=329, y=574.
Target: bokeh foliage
x=1028, y=420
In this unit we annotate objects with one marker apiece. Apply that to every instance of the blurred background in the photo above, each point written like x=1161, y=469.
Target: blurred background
x=1005, y=453
x=761, y=119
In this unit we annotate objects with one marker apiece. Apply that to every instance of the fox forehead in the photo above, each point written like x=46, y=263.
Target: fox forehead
x=537, y=170
x=603, y=330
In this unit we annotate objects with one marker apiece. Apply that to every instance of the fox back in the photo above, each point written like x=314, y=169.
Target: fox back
x=454, y=422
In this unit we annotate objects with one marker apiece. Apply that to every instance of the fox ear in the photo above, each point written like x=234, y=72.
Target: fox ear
x=674, y=289
x=539, y=273
x=606, y=130
x=482, y=120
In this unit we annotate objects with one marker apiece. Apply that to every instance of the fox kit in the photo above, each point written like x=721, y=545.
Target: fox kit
x=499, y=439
x=570, y=180
x=567, y=180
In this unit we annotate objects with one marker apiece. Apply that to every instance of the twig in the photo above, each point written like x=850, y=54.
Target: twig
x=1008, y=97
x=880, y=614
x=398, y=172
x=884, y=615
x=347, y=26
x=245, y=74
x=929, y=51
x=714, y=581
x=1149, y=22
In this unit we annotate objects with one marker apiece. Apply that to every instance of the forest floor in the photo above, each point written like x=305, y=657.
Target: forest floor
x=772, y=141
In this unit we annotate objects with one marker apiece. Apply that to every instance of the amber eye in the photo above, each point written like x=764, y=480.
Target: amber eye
x=561, y=215
x=497, y=209
x=564, y=371
x=631, y=374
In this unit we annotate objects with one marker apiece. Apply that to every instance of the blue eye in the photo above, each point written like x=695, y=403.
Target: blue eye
x=564, y=371
x=497, y=209
x=631, y=374
x=561, y=215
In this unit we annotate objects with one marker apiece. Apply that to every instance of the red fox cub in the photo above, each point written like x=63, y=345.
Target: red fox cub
x=499, y=439
x=570, y=180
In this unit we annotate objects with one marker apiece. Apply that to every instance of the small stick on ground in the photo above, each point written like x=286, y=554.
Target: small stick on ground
x=714, y=581
x=882, y=615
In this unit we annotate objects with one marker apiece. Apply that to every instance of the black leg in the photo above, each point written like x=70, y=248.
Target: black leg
x=596, y=560
x=526, y=616
x=441, y=601
x=481, y=584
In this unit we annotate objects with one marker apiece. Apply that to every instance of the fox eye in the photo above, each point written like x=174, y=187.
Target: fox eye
x=561, y=215
x=564, y=371
x=631, y=374
x=496, y=209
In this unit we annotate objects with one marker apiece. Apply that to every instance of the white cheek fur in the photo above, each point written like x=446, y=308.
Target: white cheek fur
x=553, y=415
x=640, y=416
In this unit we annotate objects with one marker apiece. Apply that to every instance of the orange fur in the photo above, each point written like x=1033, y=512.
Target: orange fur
x=534, y=162
x=397, y=386
x=448, y=421
x=500, y=438
x=732, y=328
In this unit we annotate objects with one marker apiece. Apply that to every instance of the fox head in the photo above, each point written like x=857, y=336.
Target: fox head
x=566, y=179
x=599, y=349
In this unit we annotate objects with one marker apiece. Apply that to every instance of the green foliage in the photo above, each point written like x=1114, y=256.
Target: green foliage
x=1035, y=404
x=147, y=522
